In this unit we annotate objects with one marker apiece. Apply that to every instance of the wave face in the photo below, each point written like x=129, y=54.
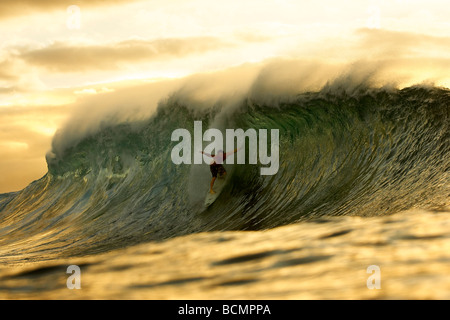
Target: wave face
x=374, y=152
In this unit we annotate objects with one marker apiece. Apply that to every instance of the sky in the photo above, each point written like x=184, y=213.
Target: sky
x=58, y=56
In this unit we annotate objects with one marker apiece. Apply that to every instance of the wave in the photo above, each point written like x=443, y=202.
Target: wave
x=369, y=152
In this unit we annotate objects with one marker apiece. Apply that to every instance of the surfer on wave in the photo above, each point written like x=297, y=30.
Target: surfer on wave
x=216, y=166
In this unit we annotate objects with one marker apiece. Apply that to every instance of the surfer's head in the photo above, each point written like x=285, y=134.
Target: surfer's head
x=219, y=153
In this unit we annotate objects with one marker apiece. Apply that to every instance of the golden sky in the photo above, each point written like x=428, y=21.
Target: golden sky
x=55, y=56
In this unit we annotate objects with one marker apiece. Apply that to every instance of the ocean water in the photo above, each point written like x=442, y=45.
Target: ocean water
x=351, y=165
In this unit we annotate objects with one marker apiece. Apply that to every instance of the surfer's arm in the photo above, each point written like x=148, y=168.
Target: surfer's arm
x=206, y=154
x=229, y=153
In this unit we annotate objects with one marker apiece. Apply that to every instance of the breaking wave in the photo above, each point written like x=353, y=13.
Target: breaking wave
x=371, y=152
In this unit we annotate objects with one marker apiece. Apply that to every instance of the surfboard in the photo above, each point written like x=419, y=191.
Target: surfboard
x=219, y=184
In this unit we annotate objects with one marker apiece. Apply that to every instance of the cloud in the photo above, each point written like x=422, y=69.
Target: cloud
x=92, y=91
x=5, y=75
x=13, y=8
x=17, y=77
x=8, y=70
x=387, y=43
x=25, y=136
x=25, y=68
x=61, y=57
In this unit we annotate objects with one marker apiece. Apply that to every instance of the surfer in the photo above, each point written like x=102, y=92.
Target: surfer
x=216, y=166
